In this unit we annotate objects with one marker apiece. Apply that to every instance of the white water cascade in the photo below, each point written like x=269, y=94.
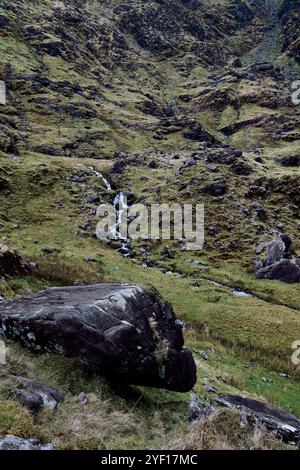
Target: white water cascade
x=120, y=207
x=100, y=176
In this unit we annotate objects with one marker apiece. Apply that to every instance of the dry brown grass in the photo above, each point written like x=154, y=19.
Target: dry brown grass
x=223, y=430
x=91, y=426
x=161, y=352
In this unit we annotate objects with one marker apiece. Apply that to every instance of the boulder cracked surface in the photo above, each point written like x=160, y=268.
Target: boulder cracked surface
x=123, y=331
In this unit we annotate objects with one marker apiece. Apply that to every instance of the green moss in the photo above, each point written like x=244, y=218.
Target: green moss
x=14, y=419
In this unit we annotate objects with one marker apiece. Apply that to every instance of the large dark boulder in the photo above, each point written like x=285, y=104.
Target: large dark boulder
x=283, y=425
x=123, y=331
x=286, y=270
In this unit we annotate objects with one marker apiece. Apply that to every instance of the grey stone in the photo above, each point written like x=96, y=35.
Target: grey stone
x=198, y=409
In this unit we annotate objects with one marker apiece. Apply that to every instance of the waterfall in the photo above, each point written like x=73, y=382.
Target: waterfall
x=99, y=175
x=120, y=206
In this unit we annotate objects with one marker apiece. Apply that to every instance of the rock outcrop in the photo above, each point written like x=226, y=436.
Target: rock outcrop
x=123, y=331
x=278, y=263
x=283, y=425
x=198, y=409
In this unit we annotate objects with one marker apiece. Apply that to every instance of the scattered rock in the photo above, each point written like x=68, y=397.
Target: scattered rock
x=203, y=355
x=167, y=253
x=260, y=248
x=209, y=388
x=212, y=167
x=32, y=265
x=262, y=214
x=49, y=251
x=292, y=160
x=82, y=398
x=94, y=199
x=152, y=164
x=242, y=169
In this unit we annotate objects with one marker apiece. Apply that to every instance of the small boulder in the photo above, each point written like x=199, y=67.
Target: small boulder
x=11, y=263
x=34, y=395
x=215, y=189
x=198, y=409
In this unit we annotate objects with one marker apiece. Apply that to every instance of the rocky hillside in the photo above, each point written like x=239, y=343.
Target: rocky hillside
x=162, y=101
x=127, y=82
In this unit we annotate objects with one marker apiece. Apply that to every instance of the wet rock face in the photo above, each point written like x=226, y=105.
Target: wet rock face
x=284, y=425
x=123, y=331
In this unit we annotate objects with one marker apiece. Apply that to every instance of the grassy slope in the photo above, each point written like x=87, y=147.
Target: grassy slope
x=242, y=330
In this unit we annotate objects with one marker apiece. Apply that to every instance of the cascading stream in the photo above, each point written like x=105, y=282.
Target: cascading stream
x=100, y=176
x=120, y=207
